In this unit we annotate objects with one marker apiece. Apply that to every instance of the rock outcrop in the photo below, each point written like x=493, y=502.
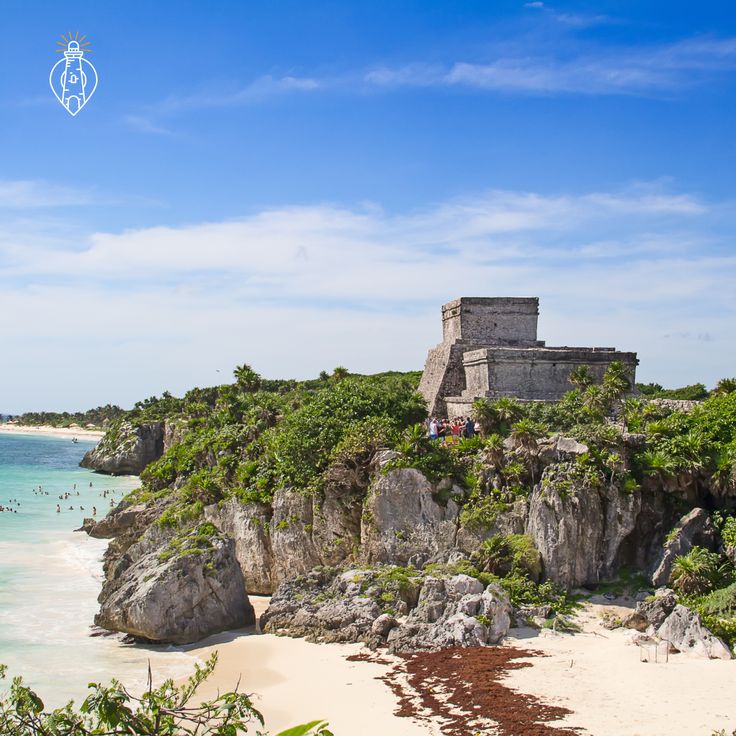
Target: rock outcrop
x=403, y=520
x=127, y=449
x=178, y=599
x=455, y=612
x=695, y=528
x=248, y=525
x=366, y=606
x=686, y=633
x=579, y=529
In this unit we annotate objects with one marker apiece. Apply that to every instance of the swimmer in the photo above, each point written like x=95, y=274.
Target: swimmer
x=58, y=509
x=94, y=511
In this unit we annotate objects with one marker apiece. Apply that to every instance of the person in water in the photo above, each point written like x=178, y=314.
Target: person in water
x=58, y=509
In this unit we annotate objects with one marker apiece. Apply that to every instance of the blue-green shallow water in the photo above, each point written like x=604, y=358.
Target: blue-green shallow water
x=50, y=576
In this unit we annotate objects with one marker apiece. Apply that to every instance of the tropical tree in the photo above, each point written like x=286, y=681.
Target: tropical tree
x=246, y=378
x=493, y=450
x=507, y=410
x=340, y=373
x=725, y=386
x=581, y=377
x=483, y=412
x=525, y=433
x=616, y=380
x=697, y=572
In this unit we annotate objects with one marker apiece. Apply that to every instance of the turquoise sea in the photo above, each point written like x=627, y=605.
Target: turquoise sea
x=50, y=576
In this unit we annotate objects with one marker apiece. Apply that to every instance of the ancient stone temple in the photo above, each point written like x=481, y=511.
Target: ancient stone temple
x=490, y=349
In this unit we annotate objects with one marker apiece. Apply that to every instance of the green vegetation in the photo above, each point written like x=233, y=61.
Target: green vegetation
x=512, y=554
x=164, y=711
x=251, y=438
x=696, y=392
x=99, y=418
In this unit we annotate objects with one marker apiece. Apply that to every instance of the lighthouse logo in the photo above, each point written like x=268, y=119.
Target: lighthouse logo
x=73, y=80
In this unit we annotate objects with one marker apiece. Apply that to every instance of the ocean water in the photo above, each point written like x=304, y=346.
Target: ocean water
x=50, y=576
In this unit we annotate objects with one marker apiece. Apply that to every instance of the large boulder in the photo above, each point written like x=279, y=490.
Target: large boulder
x=126, y=449
x=178, y=598
x=685, y=632
x=456, y=611
x=695, y=528
x=324, y=605
x=657, y=609
x=248, y=525
x=404, y=520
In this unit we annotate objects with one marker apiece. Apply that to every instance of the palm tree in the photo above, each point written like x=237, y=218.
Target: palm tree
x=340, y=373
x=725, y=386
x=581, y=377
x=507, y=410
x=616, y=380
x=484, y=413
x=246, y=378
x=695, y=573
x=596, y=401
x=493, y=450
x=525, y=434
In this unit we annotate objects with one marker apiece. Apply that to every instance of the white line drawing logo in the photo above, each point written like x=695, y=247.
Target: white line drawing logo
x=73, y=80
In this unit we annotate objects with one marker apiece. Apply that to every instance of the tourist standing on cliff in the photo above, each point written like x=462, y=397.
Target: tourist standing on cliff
x=469, y=429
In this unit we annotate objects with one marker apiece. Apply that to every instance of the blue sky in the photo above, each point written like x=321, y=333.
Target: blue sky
x=300, y=185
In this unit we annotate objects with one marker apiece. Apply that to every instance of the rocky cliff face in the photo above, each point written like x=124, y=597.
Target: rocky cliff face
x=313, y=552
x=128, y=449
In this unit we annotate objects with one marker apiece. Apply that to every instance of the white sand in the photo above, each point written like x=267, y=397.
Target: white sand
x=598, y=675
x=294, y=682
x=12, y=428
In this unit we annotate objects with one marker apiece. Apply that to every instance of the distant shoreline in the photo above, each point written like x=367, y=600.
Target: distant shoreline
x=48, y=431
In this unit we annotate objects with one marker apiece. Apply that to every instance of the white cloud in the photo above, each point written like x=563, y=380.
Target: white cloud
x=635, y=70
x=297, y=289
x=32, y=194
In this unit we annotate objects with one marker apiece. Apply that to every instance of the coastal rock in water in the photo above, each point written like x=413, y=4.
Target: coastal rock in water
x=248, y=525
x=695, y=528
x=179, y=599
x=118, y=521
x=291, y=540
x=126, y=449
x=456, y=611
x=403, y=521
x=686, y=633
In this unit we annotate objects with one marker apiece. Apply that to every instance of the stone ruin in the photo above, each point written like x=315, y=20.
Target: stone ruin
x=489, y=349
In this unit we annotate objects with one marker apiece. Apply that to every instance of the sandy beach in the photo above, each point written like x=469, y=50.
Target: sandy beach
x=597, y=674
x=11, y=428
x=294, y=681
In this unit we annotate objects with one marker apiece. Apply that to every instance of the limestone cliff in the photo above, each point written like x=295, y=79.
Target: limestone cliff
x=127, y=449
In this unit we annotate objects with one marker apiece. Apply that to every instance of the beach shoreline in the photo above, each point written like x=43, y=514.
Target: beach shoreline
x=595, y=674
x=48, y=431
x=294, y=681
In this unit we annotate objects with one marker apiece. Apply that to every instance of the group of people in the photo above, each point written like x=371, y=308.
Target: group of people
x=39, y=491
x=451, y=430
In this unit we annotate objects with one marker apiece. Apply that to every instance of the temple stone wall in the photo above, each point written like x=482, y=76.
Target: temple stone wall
x=490, y=349
x=491, y=320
